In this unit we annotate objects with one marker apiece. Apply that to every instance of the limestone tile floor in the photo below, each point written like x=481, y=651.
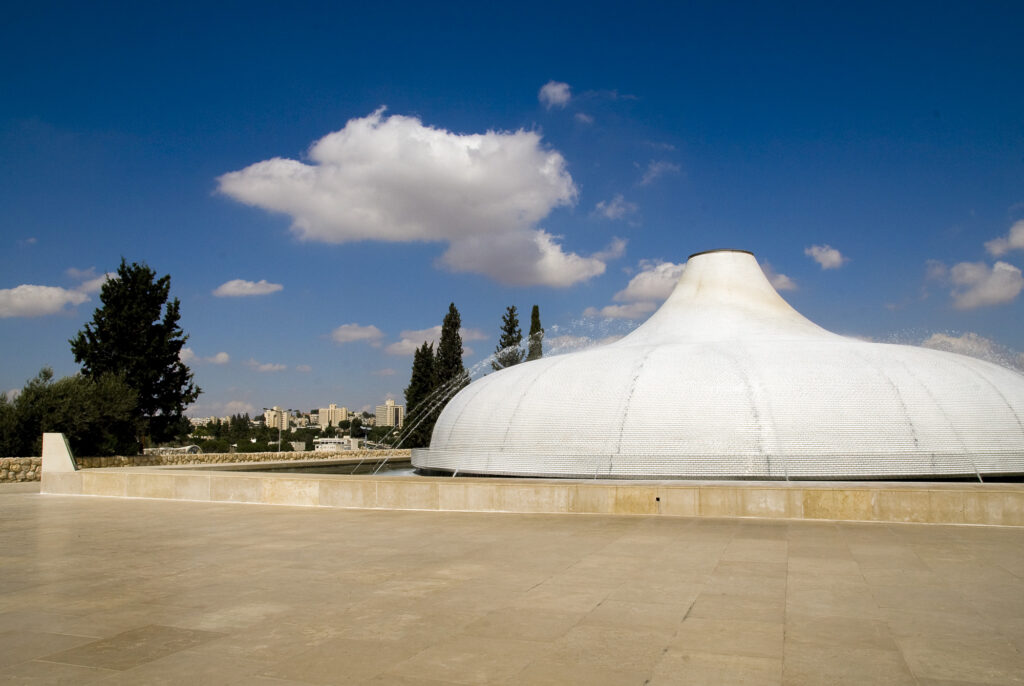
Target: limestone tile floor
x=108, y=591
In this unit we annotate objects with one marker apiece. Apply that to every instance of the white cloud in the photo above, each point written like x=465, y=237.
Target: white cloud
x=28, y=300
x=584, y=118
x=1014, y=240
x=95, y=285
x=654, y=282
x=239, y=407
x=616, y=208
x=779, y=282
x=554, y=94
x=237, y=288
x=304, y=368
x=188, y=356
x=827, y=256
x=393, y=179
x=348, y=333
x=412, y=339
x=91, y=282
x=524, y=259
x=12, y=394
x=975, y=345
x=266, y=367
x=634, y=310
x=656, y=169
x=978, y=285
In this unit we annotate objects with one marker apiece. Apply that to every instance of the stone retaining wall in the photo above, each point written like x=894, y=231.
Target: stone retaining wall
x=14, y=469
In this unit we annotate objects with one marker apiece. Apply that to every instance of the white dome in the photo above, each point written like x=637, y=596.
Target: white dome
x=726, y=380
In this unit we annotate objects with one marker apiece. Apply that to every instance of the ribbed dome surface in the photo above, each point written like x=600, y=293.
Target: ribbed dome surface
x=726, y=380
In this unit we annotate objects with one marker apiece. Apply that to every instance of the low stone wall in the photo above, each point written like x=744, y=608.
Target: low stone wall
x=13, y=469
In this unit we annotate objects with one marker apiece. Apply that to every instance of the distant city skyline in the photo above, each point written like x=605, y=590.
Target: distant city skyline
x=321, y=182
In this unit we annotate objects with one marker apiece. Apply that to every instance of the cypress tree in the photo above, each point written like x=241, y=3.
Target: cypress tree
x=508, y=352
x=536, y=349
x=448, y=368
x=417, y=398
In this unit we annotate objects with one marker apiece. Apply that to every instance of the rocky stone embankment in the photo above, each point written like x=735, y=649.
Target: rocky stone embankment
x=15, y=469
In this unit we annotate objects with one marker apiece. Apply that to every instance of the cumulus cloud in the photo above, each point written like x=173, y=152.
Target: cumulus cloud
x=91, y=281
x=554, y=94
x=644, y=291
x=975, y=345
x=238, y=288
x=349, y=333
x=12, y=394
x=584, y=118
x=266, y=366
x=28, y=300
x=616, y=208
x=393, y=179
x=657, y=169
x=524, y=259
x=1013, y=240
x=411, y=339
x=238, y=407
x=655, y=281
x=978, y=285
x=826, y=256
x=630, y=311
x=188, y=356
x=779, y=282
x=304, y=368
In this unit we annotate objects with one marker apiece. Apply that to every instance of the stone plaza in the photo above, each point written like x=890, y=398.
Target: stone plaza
x=147, y=591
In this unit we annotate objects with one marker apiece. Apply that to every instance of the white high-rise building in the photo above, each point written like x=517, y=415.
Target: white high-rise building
x=390, y=414
x=276, y=418
x=333, y=415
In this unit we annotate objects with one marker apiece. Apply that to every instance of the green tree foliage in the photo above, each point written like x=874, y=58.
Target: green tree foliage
x=135, y=333
x=356, y=429
x=97, y=415
x=417, y=398
x=450, y=373
x=442, y=373
x=536, y=347
x=508, y=353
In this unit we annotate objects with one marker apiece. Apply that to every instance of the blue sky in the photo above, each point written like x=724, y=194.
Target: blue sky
x=321, y=180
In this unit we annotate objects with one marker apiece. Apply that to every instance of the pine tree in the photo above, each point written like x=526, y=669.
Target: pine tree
x=508, y=352
x=135, y=334
x=536, y=348
x=417, y=398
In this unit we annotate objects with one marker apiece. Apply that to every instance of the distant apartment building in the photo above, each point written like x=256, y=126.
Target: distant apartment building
x=330, y=445
x=390, y=414
x=276, y=418
x=206, y=421
x=333, y=415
